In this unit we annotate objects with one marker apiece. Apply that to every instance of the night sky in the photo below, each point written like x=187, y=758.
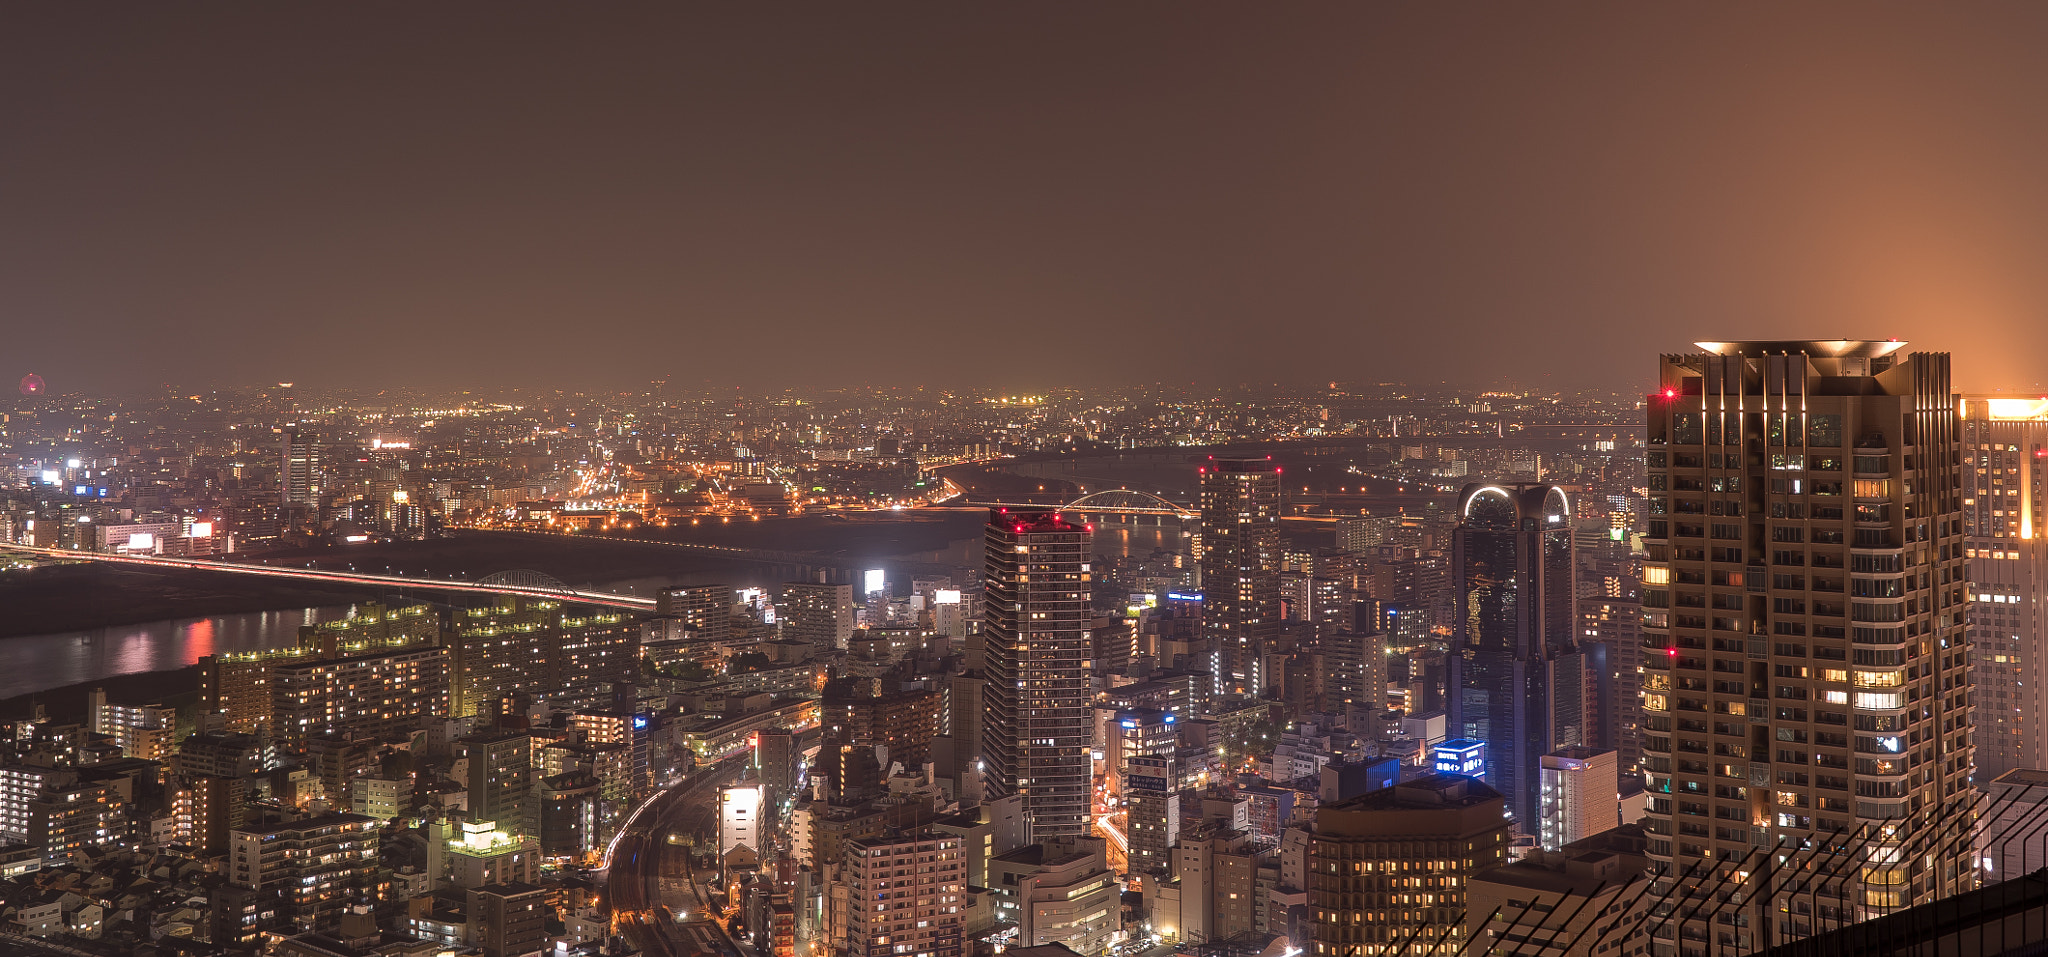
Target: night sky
x=1007, y=194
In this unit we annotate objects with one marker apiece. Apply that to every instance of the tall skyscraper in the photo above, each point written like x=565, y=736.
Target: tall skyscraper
x=1806, y=659
x=298, y=470
x=1036, y=722
x=2005, y=453
x=1516, y=681
x=1240, y=568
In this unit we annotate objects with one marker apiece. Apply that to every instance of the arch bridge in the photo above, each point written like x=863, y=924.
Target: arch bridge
x=1113, y=501
x=1124, y=501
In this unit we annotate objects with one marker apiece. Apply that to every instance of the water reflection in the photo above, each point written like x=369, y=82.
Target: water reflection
x=42, y=662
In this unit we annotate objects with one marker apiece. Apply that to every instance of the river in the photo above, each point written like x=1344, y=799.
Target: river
x=42, y=662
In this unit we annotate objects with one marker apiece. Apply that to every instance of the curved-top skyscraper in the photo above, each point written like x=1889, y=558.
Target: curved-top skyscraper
x=1517, y=681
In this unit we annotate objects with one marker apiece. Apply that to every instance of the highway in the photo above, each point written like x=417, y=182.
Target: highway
x=640, y=859
x=347, y=578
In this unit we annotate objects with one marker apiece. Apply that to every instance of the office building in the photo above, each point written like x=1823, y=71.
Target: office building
x=1138, y=733
x=1517, y=681
x=985, y=831
x=1806, y=654
x=2012, y=829
x=298, y=473
x=739, y=818
x=817, y=612
x=1615, y=627
x=481, y=853
x=1240, y=569
x=1354, y=672
x=778, y=762
x=1151, y=812
x=1057, y=891
x=1389, y=871
x=508, y=920
x=1581, y=796
x=1217, y=869
x=1582, y=900
x=2005, y=452
x=1413, y=588
x=1610, y=635
x=1036, y=716
x=906, y=895
x=498, y=772
x=382, y=798
x=956, y=613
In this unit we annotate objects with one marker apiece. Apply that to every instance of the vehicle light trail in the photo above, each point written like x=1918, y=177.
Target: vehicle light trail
x=351, y=578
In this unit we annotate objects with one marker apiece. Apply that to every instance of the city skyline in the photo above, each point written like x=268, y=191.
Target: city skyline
x=924, y=480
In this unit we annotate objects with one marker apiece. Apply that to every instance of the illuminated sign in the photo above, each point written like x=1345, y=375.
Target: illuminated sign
x=1183, y=596
x=141, y=540
x=2016, y=409
x=202, y=529
x=1466, y=756
x=946, y=596
x=875, y=581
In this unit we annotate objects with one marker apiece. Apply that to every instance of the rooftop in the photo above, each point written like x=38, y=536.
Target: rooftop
x=1429, y=791
x=1832, y=348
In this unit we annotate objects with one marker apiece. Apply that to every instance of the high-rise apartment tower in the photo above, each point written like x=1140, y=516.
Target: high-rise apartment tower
x=1036, y=720
x=1806, y=661
x=1240, y=568
x=2005, y=453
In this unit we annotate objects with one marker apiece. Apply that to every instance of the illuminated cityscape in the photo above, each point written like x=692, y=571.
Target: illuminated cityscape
x=987, y=481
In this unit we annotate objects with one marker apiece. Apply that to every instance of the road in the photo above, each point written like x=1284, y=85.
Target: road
x=349, y=578
x=641, y=861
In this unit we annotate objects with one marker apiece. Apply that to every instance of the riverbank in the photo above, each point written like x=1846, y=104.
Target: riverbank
x=81, y=596
x=178, y=687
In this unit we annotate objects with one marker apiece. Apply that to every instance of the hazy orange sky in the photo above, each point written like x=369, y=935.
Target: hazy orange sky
x=1010, y=194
